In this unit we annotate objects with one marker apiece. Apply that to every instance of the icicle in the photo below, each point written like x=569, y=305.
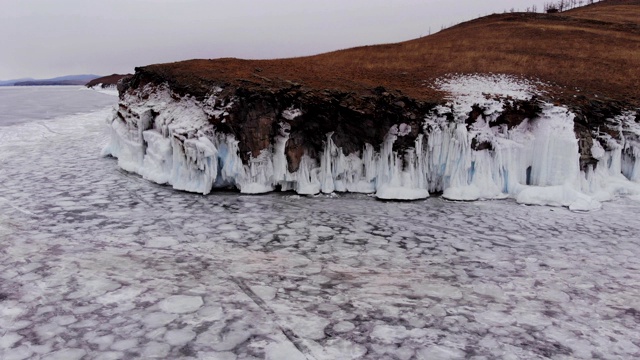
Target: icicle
x=397, y=180
x=280, y=171
x=326, y=166
x=307, y=177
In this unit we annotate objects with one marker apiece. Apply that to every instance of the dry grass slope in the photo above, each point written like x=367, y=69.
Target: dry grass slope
x=593, y=50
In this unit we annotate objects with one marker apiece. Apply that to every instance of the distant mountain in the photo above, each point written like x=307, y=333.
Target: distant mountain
x=85, y=78
x=61, y=80
x=11, y=82
x=50, y=82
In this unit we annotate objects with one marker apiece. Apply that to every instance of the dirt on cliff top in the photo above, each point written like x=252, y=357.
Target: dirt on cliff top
x=585, y=53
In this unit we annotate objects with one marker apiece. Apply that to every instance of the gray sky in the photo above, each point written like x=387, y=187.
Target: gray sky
x=47, y=38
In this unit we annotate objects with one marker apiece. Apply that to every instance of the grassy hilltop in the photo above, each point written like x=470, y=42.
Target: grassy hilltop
x=585, y=53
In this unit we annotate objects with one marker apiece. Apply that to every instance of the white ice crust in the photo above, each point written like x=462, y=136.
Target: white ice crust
x=109, y=89
x=169, y=140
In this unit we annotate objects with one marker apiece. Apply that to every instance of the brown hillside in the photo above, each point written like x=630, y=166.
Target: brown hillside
x=593, y=50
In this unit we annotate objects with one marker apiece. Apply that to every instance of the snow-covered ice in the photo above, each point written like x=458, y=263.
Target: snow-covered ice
x=179, y=304
x=279, y=276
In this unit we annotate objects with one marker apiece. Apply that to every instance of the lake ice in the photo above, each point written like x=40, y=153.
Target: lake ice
x=32, y=103
x=99, y=263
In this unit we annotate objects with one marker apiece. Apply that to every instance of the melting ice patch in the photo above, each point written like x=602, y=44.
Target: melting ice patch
x=168, y=139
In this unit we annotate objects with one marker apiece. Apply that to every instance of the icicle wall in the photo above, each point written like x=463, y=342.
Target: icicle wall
x=536, y=162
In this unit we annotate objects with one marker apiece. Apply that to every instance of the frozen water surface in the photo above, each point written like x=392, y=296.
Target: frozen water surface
x=99, y=263
x=20, y=103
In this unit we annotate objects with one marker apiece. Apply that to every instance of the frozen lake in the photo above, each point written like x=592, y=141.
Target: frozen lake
x=31, y=103
x=98, y=263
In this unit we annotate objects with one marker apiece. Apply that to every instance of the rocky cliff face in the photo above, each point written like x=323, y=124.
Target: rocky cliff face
x=491, y=137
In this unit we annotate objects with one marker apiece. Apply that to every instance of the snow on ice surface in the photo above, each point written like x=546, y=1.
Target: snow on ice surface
x=279, y=276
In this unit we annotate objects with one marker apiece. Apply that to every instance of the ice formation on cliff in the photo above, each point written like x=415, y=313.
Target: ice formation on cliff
x=109, y=89
x=169, y=140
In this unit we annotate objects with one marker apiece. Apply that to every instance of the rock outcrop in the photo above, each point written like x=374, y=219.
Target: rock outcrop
x=473, y=145
x=109, y=81
x=297, y=124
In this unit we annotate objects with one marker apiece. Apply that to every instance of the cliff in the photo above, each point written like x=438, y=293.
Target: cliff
x=558, y=125
x=107, y=81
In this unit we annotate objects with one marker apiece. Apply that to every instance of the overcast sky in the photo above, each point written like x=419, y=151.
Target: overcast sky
x=47, y=38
